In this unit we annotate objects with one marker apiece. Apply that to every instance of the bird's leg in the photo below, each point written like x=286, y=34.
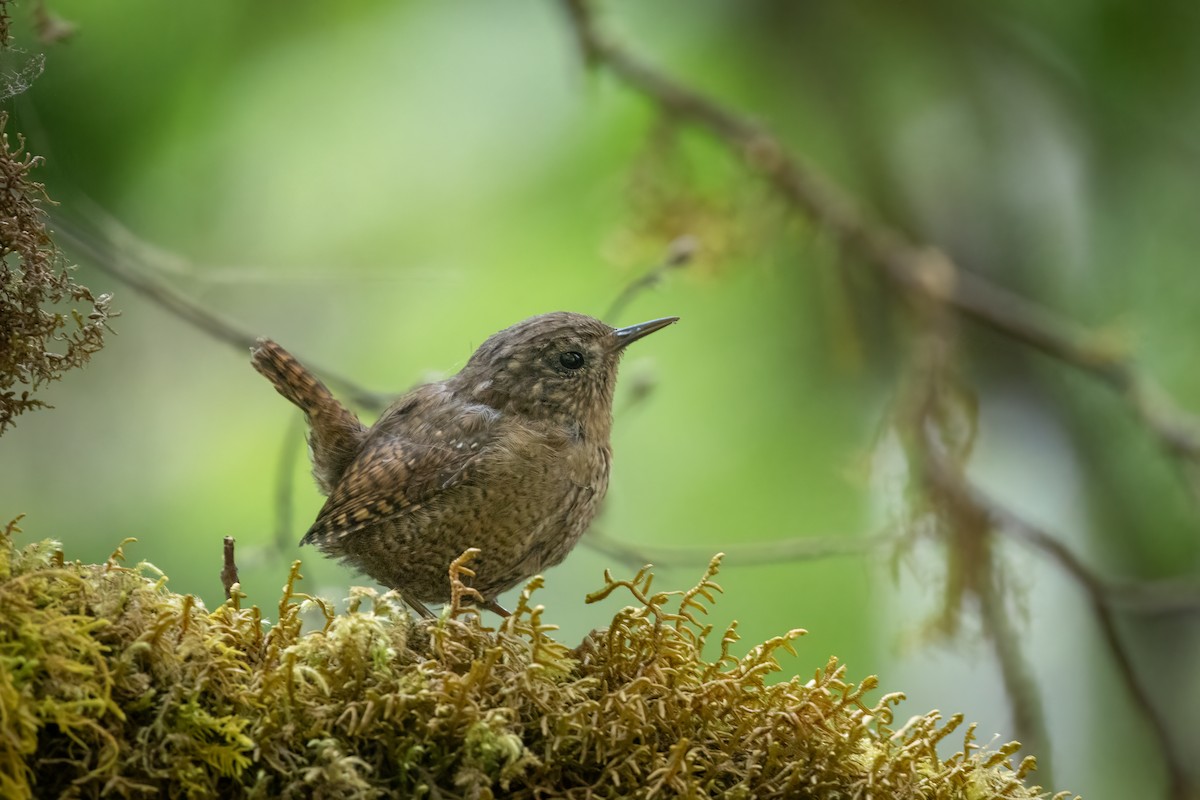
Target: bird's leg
x=418, y=606
x=496, y=608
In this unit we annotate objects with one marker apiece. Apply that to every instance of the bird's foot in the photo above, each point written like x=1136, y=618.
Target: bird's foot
x=496, y=608
x=416, y=605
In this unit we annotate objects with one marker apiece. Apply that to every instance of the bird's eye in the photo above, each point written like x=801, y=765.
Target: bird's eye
x=571, y=360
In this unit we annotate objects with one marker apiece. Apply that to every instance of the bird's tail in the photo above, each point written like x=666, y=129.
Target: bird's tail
x=292, y=379
x=335, y=433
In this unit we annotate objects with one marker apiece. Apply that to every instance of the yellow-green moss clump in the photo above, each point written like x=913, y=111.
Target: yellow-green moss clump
x=111, y=685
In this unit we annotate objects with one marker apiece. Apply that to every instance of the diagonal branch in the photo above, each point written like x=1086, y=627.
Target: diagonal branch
x=924, y=273
x=940, y=463
x=938, y=444
x=1006, y=523
x=102, y=254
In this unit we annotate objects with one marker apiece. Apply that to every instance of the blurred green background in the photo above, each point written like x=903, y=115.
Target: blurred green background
x=381, y=185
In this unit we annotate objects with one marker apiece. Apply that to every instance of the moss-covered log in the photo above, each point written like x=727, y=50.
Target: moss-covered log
x=112, y=685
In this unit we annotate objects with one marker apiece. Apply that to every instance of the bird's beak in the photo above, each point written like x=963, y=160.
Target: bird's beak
x=626, y=336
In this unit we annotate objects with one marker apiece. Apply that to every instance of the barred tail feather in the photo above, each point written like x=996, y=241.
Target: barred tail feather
x=335, y=433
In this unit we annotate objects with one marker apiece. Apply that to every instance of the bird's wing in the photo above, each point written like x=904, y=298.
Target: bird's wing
x=397, y=473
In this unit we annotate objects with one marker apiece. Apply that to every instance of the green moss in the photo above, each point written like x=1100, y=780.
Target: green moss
x=112, y=685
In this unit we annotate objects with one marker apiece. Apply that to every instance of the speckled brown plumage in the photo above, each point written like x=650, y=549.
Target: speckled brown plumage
x=511, y=455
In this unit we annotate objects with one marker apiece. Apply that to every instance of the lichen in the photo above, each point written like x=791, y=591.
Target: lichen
x=111, y=684
x=49, y=323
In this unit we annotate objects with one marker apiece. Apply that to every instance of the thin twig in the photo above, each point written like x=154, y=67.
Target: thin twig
x=972, y=513
x=1143, y=597
x=800, y=548
x=679, y=253
x=285, y=484
x=921, y=271
x=229, y=572
x=1153, y=597
x=99, y=252
x=1005, y=522
x=1025, y=700
x=937, y=442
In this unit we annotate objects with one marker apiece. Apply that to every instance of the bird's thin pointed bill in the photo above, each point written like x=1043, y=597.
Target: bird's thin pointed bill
x=625, y=336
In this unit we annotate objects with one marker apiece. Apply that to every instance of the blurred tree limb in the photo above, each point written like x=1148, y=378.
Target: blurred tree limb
x=920, y=271
x=799, y=548
x=969, y=512
x=924, y=274
x=137, y=268
x=935, y=285
x=935, y=421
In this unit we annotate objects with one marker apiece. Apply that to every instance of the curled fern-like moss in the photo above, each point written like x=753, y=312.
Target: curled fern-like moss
x=112, y=685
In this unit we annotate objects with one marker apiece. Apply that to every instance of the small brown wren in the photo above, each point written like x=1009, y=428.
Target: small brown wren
x=511, y=455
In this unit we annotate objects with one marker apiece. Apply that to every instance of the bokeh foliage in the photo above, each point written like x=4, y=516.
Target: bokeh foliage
x=380, y=185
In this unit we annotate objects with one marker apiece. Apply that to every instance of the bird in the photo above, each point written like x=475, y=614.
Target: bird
x=510, y=455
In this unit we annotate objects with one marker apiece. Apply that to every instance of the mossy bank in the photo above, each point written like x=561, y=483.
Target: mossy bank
x=112, y=685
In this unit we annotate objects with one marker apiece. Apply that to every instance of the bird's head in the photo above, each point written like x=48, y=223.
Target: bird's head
x=560, y=366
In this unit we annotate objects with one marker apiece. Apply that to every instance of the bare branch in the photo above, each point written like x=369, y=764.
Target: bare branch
x=285, y=484
x=106, y=256
x=923, y=272
x=939, y=431
x=1005, y=522
x=930, y=279
x=800, y=548
x=1025, y=699
x=679, y=253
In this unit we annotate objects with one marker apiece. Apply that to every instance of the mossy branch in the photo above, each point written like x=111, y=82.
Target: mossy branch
x=110, y=684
